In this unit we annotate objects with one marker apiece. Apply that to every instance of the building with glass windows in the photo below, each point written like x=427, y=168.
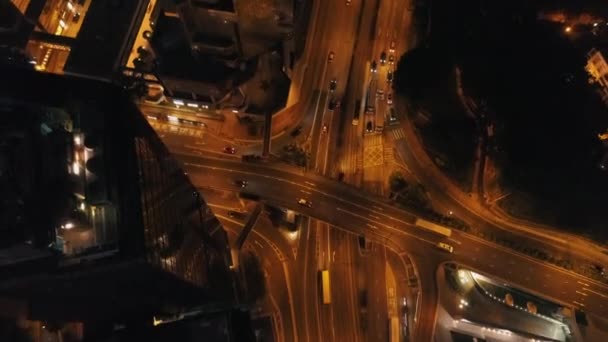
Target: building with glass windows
x=102, y=229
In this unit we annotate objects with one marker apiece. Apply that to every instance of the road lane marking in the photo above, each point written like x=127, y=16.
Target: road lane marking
x=582, y=293
x=579, y=304
x=594, y=292
x=385, y=225
x=258, y=243
x=255, y=174
x=455, y=241
x=377, y=207
x=374, y=216
x=580, y=282
x=306, y=192
x=371, y=226
x=310, y=183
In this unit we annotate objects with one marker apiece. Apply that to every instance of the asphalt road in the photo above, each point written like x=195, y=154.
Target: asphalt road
x=348, y=208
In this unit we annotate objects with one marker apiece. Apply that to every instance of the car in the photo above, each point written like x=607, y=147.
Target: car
x=380, y=94
x=229, y=150
x=374, y=67
x=333, y=104
x=392, y=117
x=445, y=247
x=332, y=85
x=305, y=203
x=391, y=59
x=369, y=127
x=330, y=57
x=389, y=98
x=391, y=48
x=324, y=129
x=389, y=76
x=297, y=131
x=383, y=58
x=241, y=183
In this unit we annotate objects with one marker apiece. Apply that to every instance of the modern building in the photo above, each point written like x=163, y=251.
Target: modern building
x=65, y=36
x=101, y=228
x=598, y=70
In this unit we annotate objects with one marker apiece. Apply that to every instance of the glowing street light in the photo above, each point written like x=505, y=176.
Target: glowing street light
x=568, y=29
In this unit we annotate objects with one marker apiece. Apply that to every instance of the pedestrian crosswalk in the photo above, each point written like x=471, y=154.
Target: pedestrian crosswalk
x=372, y=140
x=389, y=155
x=397, y=134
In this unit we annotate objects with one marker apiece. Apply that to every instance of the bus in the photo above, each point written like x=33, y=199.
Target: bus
x=394, y=329
x=326, y=286
x=433, y=227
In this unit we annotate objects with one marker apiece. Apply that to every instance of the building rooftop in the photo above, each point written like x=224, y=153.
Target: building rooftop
x=105, y=224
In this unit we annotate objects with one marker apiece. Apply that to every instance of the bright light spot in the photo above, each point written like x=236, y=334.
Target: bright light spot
x=70, y=6
x=193, y=105
x=594, y=24
x=235, y=111
x=75, y=168
x=62, y=24
x=152, y=117
x=82, y=206
x=178, y=102
x=173, y=119
x=77, y=140
x=568, y=29
x=460, y=306
x=68, y=225
x=206, y=106
x=450, y=212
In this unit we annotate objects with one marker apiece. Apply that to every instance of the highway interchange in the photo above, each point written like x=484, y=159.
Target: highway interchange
x=341, y=211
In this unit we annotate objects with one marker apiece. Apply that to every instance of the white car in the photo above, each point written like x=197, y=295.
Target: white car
x=305, y=203
x=445, y=247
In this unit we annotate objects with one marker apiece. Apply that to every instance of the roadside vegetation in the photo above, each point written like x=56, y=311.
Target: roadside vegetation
x=426, y=78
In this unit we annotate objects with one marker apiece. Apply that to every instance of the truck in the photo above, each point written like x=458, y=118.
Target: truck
x=434, y=227
x=326, y=287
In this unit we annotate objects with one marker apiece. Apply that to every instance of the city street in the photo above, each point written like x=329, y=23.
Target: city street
x=365, y=214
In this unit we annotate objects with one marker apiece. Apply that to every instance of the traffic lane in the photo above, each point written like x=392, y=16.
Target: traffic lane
x=554, y=283
x=485, y=223
x=344, y=217
x=340, y=267
x=310, y=181
x=305, y=283
x=376, y=295
x=427, y=265
x=276, y=280
x=360, y=223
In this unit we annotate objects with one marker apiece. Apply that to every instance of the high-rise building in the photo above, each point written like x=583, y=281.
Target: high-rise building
x=101, y=229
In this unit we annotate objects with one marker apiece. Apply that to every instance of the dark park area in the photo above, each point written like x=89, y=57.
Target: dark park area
x=529, y=72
